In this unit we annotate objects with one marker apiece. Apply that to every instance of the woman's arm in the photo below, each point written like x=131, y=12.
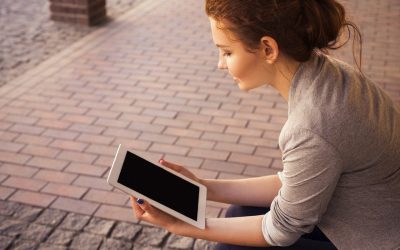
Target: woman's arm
x=257, y=191
x=244, y=231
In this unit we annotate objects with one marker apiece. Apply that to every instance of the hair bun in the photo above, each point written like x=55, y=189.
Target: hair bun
x=324, y=22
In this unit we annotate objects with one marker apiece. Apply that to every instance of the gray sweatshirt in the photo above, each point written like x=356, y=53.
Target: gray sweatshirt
x=341, y=161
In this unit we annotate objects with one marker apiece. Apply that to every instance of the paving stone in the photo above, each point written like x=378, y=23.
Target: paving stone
x=20, y=244
x=152, y=236
x=99, y=226
x=86, y=241
x=12, y=227
x=7, y=208
x=116, y=244
x=27, y=213
x=180, y=242
x=51, y=217
x=141, y=247
x=61, y=237
x=75, y=222
x=2, y=218
x=36, y=232
x=5, y=241
x=51, y=247
x=126, y=231
x=204, y=245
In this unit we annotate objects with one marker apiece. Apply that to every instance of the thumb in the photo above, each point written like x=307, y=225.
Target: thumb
x=144, y=205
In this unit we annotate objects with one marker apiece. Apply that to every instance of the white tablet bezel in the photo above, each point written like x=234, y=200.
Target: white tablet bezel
x=113, y=180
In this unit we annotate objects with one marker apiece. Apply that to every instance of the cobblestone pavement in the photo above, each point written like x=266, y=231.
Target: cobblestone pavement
x=147, y=80
x=28, y=36
x=27, y=227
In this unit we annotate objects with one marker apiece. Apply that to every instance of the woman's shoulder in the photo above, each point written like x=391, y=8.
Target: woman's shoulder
x=331, y=87
x=339, y=104
x=320, y=94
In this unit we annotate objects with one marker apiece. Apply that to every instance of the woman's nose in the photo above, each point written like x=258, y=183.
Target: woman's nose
x=222, y=64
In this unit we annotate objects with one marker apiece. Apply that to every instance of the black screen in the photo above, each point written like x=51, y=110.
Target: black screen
x=159, y=185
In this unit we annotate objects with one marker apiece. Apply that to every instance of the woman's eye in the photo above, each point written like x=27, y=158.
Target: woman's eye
x=227, y=54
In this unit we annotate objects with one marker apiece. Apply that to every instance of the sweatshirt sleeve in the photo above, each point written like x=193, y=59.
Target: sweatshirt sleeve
x=311, y=169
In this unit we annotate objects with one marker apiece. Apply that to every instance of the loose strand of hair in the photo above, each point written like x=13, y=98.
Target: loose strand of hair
x=354, y=34
x=357, y=40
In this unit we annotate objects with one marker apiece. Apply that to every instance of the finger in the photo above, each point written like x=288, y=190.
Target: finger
x=134, y=204
x=137, y=210
x=144, y=205
x=170, y=165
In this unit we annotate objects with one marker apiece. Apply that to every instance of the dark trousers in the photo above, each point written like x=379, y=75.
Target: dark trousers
x=314, y=240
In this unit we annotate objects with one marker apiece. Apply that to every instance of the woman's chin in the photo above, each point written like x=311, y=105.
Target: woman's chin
x=244, y=87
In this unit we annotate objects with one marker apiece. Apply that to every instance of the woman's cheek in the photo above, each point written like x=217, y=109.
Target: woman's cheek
x=234, y=67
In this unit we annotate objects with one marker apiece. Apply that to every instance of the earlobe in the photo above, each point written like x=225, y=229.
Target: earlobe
x=270, y=49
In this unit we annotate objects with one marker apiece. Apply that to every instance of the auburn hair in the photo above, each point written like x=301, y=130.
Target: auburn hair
x=298, y=26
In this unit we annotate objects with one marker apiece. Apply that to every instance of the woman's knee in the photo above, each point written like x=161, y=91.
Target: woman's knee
x=237, y=211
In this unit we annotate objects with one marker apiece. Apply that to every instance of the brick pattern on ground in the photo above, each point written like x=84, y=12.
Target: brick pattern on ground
x=29, y=37
x=28, y=227
x=149, y=81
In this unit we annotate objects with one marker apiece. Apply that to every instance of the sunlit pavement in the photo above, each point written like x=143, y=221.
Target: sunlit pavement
x=147, y=80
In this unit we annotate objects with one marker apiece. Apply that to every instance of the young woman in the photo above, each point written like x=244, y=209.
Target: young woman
x=340, y=184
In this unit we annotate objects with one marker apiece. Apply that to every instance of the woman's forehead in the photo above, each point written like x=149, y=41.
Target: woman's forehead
x=221, y=34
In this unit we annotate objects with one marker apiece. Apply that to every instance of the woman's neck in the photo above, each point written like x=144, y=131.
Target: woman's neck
x=285, y=69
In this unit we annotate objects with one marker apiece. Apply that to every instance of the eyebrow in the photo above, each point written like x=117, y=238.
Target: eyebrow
x=221, y=46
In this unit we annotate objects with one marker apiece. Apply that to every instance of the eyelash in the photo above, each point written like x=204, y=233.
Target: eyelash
x=227, y=54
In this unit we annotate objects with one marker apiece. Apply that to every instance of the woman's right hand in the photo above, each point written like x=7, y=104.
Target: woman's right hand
x=180, y=169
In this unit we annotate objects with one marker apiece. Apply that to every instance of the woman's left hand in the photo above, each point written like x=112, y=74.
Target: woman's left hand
x=144, y=211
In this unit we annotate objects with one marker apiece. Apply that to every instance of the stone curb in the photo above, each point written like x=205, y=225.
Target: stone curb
x=28, y=227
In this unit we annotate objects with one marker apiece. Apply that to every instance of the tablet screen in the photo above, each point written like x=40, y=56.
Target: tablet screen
x=159, y=185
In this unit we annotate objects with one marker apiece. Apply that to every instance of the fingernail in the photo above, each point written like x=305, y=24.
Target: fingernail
x=140, y=201
x=161, y=160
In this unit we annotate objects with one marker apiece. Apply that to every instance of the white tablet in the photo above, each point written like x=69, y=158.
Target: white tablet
x=163, y=188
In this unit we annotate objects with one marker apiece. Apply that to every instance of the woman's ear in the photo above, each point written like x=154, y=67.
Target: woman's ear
x=269, y=49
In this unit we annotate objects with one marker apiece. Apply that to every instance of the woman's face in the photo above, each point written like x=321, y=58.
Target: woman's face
x=247, y=69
